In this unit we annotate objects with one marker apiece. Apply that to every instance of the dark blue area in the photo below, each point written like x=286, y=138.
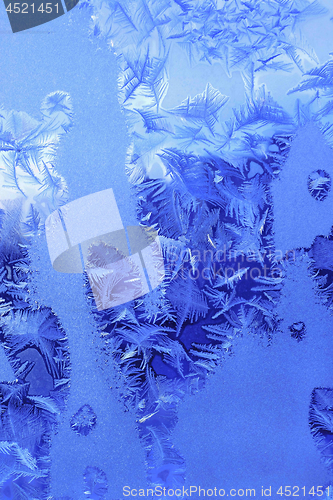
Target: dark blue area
x=23, y=15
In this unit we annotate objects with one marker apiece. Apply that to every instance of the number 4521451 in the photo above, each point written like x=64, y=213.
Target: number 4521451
x=296, y=491
x=24, y=8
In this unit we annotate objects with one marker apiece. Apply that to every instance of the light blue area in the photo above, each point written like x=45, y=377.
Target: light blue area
x=91, y=158
x=298, y=217
x=60, y=56
x=191, y=79
x=113, y=445
x=6, y=371
x=250, y=428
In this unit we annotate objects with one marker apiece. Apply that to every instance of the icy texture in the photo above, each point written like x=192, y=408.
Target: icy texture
x=321, y=420
x=96, y=483
x=84, y=420
x=30, y=190
x=298, y=330
x=113, y=277
x=211, y=188
x=319, y=184
x=321, y=253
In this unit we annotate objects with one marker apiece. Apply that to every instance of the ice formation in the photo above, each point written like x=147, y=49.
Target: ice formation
x=213, y=189
x=30, y=189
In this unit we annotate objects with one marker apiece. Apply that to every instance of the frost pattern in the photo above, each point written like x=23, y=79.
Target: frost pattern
x=321, y=253
x=30, y=189
x=321, y=420
x=84, y=420
x=319, y=184
x=96, y=483
x=204, y=185
x=298, y=330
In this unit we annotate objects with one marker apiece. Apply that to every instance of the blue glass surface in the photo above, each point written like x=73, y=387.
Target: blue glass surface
x=210, y=120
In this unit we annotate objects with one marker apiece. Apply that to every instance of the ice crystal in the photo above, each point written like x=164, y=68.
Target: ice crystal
x=30, y=189
x=321, y=422
x=204, y=185
x=84, y=420
x=298, y=330
x=96, y=483
x=319, y=184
